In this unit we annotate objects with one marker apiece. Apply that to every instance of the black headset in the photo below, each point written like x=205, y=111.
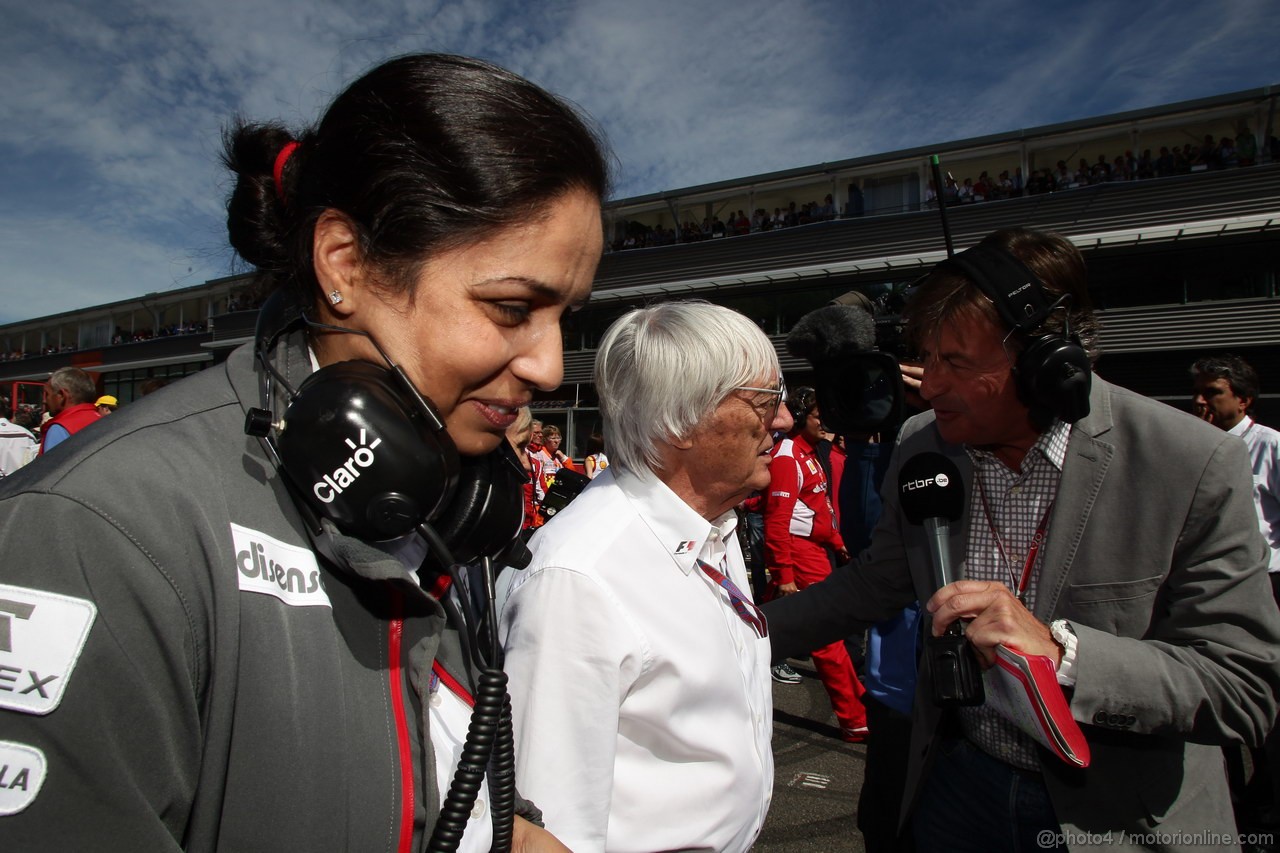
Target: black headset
x=1053, y=371
x=361, y=446
x=800, y=402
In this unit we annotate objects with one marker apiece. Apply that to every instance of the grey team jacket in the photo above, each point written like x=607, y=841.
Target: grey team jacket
x=179, y=669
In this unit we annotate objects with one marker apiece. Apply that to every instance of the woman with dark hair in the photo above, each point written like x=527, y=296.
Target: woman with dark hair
x=279, y=657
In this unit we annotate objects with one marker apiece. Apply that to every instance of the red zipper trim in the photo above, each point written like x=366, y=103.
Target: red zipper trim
x=402, y=726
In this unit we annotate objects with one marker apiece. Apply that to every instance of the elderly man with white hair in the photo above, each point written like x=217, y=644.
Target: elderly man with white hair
x=639, y=665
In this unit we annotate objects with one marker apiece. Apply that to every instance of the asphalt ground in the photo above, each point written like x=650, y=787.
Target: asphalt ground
x=817, y=776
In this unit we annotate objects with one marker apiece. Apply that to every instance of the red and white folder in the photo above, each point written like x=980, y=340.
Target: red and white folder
x=1024, y=689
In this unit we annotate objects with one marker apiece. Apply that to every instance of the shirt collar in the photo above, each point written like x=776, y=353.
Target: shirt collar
x=680, y=530
x=1242, y=427
x=1051, y=445
x=801, y=442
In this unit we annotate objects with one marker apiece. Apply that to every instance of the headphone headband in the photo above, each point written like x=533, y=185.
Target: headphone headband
x=1053, y=370
x=799, y=401
x=1019, y=297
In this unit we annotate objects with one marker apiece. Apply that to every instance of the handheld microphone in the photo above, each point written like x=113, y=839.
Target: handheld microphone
x=931, y=494
x=859, y=388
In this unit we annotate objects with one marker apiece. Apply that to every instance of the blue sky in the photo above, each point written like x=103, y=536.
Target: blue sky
x=111, y=110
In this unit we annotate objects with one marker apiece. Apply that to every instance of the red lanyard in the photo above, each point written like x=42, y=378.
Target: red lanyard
x=441, y=675
x=1020, y=583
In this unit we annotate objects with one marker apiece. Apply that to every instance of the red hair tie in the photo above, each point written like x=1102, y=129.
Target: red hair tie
x=277, y=174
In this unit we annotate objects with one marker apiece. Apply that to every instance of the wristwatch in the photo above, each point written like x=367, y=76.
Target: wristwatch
x=1065, y=636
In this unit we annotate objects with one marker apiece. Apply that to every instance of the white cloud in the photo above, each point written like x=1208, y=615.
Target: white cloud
x=109, y=127
x=78, y=263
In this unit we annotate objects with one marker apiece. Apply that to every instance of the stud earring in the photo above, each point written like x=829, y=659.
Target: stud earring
x=334, y=297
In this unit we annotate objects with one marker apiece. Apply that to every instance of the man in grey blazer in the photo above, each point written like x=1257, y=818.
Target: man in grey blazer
x=1147, y=587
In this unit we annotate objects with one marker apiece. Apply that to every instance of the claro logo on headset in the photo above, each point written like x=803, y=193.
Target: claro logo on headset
x=940, y=480
x=331, y=485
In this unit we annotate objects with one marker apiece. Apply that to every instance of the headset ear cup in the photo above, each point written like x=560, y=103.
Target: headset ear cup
x=487, y=510
x=363, y=454
x=800, y=401
x=1055, y=375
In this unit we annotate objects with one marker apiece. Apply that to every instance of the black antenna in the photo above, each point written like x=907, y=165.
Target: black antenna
x=940, y=195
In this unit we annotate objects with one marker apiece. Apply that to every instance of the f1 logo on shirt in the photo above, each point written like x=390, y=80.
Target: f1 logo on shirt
x=41, y=637
x=686, y=547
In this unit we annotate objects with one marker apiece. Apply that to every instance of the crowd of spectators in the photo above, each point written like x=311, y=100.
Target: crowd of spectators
x=172, y=330
x=637, y=235
x=248, y=301
x=241, y=302
x=16, y=355
x=120, y=337
x=1211, y=154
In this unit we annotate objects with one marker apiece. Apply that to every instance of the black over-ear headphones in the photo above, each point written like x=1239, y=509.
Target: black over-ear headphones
x=800, y=402
x=359, y=445
x=1053, y=371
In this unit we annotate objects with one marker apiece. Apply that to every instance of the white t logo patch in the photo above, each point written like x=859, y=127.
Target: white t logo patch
x=41, y=637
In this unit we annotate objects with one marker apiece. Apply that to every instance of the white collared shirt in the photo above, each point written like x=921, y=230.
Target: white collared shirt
x=17, y=447
x=1264, y=455
x=642, y=702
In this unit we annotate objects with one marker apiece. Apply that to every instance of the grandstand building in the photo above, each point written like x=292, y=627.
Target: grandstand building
x=1183, y=261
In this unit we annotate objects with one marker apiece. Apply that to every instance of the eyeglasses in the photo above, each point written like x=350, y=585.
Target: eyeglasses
x=780, y=392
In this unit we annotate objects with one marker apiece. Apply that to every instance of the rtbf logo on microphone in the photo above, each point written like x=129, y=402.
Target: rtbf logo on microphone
x=328, y=487
x=940, y=480
x=929, y=486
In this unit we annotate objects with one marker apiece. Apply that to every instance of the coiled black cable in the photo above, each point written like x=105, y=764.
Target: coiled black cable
x=491, y=692
x=489, y=735
x=502, y=777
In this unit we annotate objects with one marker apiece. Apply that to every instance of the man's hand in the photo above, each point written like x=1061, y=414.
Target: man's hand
x=912, y=376
x=787, y=588
x=842, y=554
x=531, y=838
x=997, y=619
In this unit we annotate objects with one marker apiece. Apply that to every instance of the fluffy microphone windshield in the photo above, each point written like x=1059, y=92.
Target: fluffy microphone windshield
x=859, y=389
x=832, y=332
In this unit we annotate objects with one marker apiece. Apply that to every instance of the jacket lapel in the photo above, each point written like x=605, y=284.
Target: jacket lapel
x=1083, y=470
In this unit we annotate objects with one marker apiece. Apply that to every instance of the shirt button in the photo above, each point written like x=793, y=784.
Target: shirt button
x=436, y=700
x=478, y=811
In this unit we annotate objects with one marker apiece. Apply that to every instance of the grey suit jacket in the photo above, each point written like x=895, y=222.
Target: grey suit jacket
x=1154, y=555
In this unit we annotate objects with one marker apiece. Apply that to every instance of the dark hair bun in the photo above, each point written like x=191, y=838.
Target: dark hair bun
x=422, y=153
x=256, y=222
